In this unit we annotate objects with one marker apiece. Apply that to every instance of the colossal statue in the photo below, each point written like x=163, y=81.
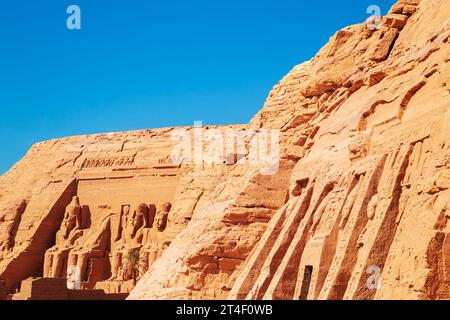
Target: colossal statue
x=70, y=230
x=141, y=233
x=93, y=245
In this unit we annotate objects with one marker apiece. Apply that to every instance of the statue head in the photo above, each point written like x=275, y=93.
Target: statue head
x=76, y=200
x=71, y=216
x=162, y=214
x=139, y=217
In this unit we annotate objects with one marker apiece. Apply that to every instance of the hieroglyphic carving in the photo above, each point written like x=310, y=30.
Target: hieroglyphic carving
x=108, y=162
x=408, y=135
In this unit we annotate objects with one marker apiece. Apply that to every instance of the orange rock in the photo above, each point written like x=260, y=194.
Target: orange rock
x=358, y=208
x=397, y=21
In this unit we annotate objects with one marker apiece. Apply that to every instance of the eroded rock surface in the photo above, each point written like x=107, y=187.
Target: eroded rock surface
x=366, y=123
x=362, y=187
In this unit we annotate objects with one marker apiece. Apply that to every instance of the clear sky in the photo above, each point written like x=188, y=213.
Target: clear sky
x=139, y=64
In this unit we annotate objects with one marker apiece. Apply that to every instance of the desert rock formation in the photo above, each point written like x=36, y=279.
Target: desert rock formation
x=362, y=188
x=84, y=204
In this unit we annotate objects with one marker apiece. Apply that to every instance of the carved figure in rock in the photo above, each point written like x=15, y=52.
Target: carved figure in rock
x=358, y=147
x=156, y=241
x=9, y=223
x=94, y=245
x=71, y=222
x=372, y=207
x=320, y=211
x=116, y=264
x=162, y=215
x=70, y=231
x=5, y=234
x=376, y=210
x=317, y=215
x=347, y=209
x=133, y=232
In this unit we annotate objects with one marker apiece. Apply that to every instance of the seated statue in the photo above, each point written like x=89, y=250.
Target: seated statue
x=133, y=231
x=155, y=242
x=70, y=231
x=93, y=245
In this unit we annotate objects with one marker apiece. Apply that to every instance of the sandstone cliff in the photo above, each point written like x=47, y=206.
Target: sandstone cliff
x=366, y=123
x=362, y=187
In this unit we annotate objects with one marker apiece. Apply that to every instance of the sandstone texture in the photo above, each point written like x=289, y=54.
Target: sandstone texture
x=362, y=188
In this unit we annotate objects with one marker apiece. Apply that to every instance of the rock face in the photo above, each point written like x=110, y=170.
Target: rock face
x=358, y=207
x=98, y=208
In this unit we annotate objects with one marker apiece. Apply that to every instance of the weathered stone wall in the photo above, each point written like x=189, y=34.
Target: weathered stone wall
x=362, y=187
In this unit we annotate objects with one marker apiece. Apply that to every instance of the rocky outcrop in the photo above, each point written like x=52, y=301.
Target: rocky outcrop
x=365, y=124
x=98, y=209
x=357, y=207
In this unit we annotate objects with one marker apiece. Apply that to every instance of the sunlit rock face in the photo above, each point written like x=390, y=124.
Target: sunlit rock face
x=357, y=207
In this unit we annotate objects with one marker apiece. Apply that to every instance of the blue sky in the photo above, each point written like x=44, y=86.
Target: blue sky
x=139, y=64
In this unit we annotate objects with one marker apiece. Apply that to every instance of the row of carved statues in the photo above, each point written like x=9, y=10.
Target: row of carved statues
x=114, y=251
